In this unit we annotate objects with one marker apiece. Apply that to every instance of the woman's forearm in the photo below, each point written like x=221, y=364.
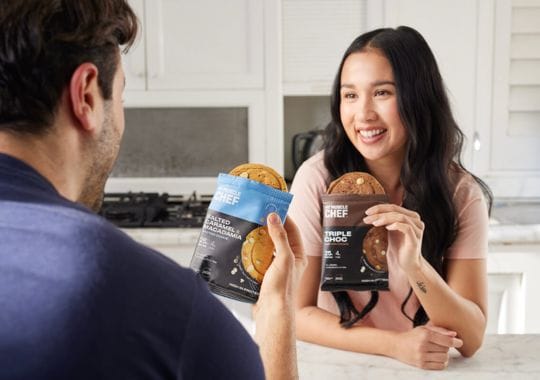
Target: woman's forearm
x=448, y=309
x=318, y=326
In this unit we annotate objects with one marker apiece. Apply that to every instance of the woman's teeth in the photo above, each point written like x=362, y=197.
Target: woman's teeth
x=371, y=133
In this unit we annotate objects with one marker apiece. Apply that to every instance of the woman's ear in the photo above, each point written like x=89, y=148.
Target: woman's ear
x=85, y=96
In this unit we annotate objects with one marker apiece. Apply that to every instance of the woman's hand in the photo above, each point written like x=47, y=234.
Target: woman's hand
x=406, y=230
x=425, y=346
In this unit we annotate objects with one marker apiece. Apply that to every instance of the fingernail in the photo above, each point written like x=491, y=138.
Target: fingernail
x=367, y=219
x=369, y=211
x=273, y=218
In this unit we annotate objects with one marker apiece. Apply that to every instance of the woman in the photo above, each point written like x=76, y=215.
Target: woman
x=391, y=117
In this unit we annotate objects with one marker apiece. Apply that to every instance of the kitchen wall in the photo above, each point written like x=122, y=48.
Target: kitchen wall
x=182, y=142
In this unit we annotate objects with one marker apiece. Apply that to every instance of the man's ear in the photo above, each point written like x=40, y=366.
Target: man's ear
x=85, y=96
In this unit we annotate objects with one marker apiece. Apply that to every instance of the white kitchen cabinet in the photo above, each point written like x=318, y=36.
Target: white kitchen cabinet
x=315, y=36
x=509, y=97
x=514, y=285
x=212, y=53
x=198, y=45
x=506, y=303
x=135, y=61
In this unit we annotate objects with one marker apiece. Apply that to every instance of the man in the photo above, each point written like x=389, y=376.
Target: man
x=78, y=298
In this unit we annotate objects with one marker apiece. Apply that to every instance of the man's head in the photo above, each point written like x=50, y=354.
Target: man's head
x=41, y=45
x=58, y=59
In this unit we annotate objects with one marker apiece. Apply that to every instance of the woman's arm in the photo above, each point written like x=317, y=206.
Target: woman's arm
x=425, y=347
x=460, y=303
x=319, y=326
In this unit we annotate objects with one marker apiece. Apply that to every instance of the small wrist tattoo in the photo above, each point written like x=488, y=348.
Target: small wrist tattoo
x=421, y=286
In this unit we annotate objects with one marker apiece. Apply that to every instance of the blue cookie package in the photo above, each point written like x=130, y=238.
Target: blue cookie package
x=232, y=231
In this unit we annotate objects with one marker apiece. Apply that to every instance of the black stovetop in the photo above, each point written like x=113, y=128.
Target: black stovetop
x=155, y=210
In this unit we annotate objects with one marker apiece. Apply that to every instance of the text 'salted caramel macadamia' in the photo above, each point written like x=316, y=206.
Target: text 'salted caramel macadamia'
x=234, y=249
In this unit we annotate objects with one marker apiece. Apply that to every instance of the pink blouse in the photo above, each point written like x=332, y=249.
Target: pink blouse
x=311, y=181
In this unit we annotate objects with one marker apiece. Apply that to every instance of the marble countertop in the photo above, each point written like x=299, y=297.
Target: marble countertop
x=498, y=234
x=513, y=233
x=165, y=236
x=501, y=357
x=515, y=221
x=512, y=222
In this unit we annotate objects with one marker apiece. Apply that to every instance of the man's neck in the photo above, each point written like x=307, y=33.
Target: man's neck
x=47, y=155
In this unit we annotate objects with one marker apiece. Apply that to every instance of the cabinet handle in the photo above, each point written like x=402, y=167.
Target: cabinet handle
x=477, y=144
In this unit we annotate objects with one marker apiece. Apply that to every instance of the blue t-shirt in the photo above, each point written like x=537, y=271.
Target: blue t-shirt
x=79, y=299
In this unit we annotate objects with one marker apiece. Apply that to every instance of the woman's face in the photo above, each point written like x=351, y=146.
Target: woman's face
x=369, y=108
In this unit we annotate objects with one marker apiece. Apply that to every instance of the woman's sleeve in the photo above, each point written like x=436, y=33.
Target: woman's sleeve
x=473, y=222
x=308, y=185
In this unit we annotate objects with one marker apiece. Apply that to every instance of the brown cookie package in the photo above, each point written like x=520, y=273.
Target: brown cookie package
x=234, y=249
x=354, y=253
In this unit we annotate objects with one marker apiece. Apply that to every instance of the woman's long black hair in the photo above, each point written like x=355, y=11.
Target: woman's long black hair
x=433, y=148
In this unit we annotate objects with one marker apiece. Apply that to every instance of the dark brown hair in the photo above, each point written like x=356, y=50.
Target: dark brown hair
x=43, y=42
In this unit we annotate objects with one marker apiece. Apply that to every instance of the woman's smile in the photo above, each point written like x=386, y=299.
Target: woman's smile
x=371, y=136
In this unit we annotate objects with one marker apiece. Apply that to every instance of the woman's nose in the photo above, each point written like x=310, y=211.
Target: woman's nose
x=365, y=111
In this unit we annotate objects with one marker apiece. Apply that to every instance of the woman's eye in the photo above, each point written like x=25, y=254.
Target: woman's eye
x=381, y=92
x=349, y=95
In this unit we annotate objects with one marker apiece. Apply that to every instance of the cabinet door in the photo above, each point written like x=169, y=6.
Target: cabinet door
x=508, y=97
x=514, y=285
x=134, y=61
x=315, y=36
x=450, y=29
x=204, y=44
x=516, y=103
x=506, y=303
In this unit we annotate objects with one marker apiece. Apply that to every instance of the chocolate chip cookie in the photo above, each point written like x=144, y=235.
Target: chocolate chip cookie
x=257, y=253
x=374, y=248
x=356, y=183
x=260, y=173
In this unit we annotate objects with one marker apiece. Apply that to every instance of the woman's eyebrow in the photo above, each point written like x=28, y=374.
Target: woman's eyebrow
x=373, y=84
x=383, y=82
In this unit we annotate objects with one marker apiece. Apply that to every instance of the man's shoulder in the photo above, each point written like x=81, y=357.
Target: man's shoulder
x=81, y=242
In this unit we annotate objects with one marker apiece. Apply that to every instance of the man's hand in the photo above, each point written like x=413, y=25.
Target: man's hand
x=274, y=312
x=282, y=277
